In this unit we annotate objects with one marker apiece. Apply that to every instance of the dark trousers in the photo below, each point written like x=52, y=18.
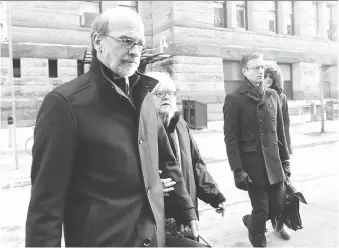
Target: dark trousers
x=267, y=202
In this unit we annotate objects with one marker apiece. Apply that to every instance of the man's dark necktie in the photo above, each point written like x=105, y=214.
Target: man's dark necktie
x=121, y=83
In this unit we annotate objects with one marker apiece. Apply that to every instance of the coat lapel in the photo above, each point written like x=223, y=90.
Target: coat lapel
x=245, y=89
x=266, y=97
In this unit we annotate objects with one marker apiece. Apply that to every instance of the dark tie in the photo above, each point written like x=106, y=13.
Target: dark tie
x=123, y=86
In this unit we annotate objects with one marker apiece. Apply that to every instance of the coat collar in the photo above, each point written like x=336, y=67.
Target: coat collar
x=245, y=89
x=138, y=82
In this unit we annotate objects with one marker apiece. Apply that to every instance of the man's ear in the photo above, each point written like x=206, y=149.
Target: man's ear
x=97, y=42
x=243, y=71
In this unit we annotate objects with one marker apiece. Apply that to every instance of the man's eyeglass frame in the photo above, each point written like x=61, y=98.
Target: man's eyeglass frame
x=257, y=68
x=162, y=94
x=123, y=41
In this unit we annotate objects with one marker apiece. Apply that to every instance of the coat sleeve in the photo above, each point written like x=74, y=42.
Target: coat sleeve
x=171, y=169
x=53, y=157
x=286, y=117
x=231, y=132
x=207, y=188
x=283, y=148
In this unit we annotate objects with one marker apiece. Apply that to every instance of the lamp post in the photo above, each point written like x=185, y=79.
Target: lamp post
x=321, y=88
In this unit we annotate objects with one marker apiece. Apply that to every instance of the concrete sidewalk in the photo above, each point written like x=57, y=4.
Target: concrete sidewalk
x=303, y=134
x=314, y=173
x=210, y=142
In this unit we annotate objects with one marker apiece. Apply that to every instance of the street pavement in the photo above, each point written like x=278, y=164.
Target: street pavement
x=314, y=167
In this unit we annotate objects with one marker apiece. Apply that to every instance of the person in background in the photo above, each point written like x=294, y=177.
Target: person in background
x=98, y=146
x=198, y=180
x=256, y=146
x=273, y=79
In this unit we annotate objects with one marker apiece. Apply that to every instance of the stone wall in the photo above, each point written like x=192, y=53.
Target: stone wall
x=306, y=78
x=193, y=35
x=50, y=29
x=32, y=87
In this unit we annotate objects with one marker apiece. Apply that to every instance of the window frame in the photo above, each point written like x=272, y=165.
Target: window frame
x=287, y=80
x=16, y=71
x=52, y=74
x=242, y=6
x=275, y=19
x=129, y=6
x=224, y=8
x=290, y=15
x=98, y=11
x=80, y=67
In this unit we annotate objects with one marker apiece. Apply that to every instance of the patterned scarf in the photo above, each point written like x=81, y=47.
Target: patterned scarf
x=257, y=90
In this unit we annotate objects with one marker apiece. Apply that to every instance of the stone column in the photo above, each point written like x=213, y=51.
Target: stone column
x=281, y=23
x=250, y=20
x=297, y=22
x=230, y=14
x=306, y=78
x=322, y=32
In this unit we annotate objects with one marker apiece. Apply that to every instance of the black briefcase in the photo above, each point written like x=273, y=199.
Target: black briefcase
x=178, y=240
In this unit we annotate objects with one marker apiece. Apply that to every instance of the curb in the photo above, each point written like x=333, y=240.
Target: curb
x=17, y=184
x=327, y=142
x=25, y=181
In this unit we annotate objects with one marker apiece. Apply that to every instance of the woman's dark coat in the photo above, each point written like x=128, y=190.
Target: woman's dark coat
x=198, y=180
x=254, y=135
x=96, y=157
x=278, y=86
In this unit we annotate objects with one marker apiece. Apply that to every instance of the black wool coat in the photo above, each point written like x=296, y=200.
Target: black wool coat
x=254, y=135
x=199, y=182
x=96, y=157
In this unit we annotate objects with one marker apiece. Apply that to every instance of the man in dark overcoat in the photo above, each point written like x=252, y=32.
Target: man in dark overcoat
x=256, y=146
x=98, y=145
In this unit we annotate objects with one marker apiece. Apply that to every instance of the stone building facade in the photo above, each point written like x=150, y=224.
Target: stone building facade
x=207, y=40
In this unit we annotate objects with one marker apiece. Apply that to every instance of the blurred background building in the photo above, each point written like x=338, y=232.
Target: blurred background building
x=207, y=39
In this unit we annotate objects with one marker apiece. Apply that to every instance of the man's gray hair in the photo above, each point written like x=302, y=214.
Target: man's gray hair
x=101, y=23
x=99, y=26
x=247, y=57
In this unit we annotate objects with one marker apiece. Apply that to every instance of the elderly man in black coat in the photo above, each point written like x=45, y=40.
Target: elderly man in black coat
x=98, y=145
x=256, y=146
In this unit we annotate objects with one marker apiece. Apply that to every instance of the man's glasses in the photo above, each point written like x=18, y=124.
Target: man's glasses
x=130, y=43
x=162, y=94
x=257, y=68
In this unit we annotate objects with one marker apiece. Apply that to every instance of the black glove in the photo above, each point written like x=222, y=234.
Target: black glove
x=287, y=170
x=241, y=179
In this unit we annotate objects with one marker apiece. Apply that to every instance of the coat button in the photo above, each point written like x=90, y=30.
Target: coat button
x=275, y=145
x=272, y=118
x=262, y=134
x=148, y=190
x=270, y=105
x=263, y=146
x=260, y=120
x=140, y=141
x=273, y=132
x=147, y=242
